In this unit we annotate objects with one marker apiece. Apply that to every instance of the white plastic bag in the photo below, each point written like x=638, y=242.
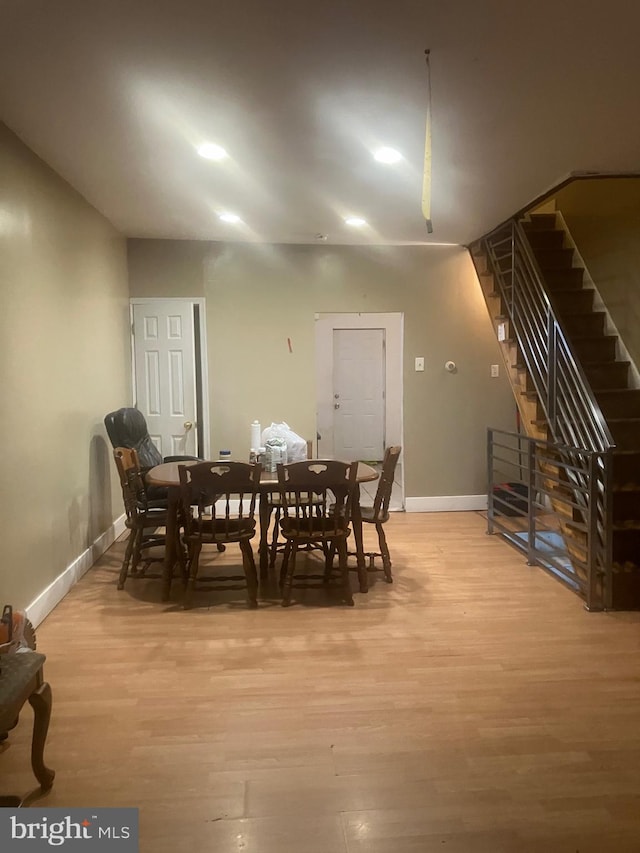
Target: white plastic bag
x=296, y=445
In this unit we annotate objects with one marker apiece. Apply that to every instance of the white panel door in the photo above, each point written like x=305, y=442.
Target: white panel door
x=164, y=354
x=358, y=394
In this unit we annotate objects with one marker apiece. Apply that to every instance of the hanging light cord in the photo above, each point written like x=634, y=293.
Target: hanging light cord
x=426, y=181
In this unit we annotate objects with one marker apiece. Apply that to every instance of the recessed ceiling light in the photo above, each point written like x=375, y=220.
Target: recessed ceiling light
x=230, y=217
x=387, y=155
x=212, y=152
x=356, y=221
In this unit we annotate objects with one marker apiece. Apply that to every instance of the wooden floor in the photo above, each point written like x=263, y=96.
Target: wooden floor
x=472, y=706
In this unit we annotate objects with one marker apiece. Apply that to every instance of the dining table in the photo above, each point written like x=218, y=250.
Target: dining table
x=167, y=475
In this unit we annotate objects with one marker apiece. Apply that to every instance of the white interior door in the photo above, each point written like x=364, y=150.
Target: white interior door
x=165, y=376
x=358, y=393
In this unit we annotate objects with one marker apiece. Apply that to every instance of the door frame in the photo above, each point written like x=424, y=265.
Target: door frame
x=205, y=450
x=393, y=324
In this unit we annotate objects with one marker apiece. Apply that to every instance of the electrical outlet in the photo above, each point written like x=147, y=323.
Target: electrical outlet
x=495, y=371
x=419, y=363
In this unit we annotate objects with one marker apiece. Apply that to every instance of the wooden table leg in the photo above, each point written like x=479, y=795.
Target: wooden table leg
x=40, y=701
x=171, y=543
x=356, y=523
x=264, y=513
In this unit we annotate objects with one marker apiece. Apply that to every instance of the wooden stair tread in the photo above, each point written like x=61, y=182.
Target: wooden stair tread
x=617, y=526
x=605, y=364
x=606, y=391
x=594, y=337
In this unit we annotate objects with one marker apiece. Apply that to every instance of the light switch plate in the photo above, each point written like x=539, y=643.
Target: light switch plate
x=419, y=363
x=495, y=371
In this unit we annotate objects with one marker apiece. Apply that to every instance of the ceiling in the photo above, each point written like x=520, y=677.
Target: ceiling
x=116, y=95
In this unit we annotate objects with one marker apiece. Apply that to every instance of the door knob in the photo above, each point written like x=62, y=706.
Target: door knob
x=188, y=425
x=336, y=405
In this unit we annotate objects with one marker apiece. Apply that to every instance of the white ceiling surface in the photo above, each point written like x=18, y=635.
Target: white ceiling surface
x=116, y=94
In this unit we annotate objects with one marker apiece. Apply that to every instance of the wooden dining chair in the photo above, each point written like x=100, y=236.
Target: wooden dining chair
x=222, y=500
x=143, y=517
x=378, y=514
x=277, y=546
x=307, y=491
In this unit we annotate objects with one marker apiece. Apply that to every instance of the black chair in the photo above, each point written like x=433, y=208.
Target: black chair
x=127, y=427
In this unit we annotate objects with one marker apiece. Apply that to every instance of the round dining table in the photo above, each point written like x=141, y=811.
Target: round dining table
x=168, y=475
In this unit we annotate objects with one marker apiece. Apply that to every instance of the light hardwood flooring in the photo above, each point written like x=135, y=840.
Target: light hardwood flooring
x=471, y=707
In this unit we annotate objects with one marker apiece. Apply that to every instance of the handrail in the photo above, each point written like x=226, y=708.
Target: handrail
x=573, y=414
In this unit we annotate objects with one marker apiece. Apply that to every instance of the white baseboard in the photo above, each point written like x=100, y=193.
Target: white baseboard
x=41, y=606
x=446, y=503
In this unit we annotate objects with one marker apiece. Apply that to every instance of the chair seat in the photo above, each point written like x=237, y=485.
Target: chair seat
x=225, y=530
x=17, y=670
x=369, y=514
x=311, y=529
x=150, y=518
x=276, y=505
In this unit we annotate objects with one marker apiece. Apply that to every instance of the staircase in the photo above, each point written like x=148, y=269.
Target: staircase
x=569, y=383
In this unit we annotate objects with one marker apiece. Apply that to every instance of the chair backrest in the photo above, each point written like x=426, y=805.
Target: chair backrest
x=385, y=484
x=127, y=428
x=316, y=495
x=131, y=481
x=225, y=491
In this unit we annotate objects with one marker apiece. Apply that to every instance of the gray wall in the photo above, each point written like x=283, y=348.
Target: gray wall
x=64, y=363
x=259, y=296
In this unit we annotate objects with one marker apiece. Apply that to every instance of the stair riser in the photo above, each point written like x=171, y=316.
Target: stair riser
x=626, y=506
x=626, y=546
x=569, y=279
x=540, y=239
x=584, y=324
x=626, y=470
x=578, y=301
x=593, y=349
x=626, y=590
x=626, y=435
x=613, y=375
x=554, y=259
x=623, y=405
x=540, y=221
x=526, y=382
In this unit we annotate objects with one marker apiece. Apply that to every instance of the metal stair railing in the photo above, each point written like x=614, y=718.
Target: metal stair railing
x=571, y=410
x=531, y=486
